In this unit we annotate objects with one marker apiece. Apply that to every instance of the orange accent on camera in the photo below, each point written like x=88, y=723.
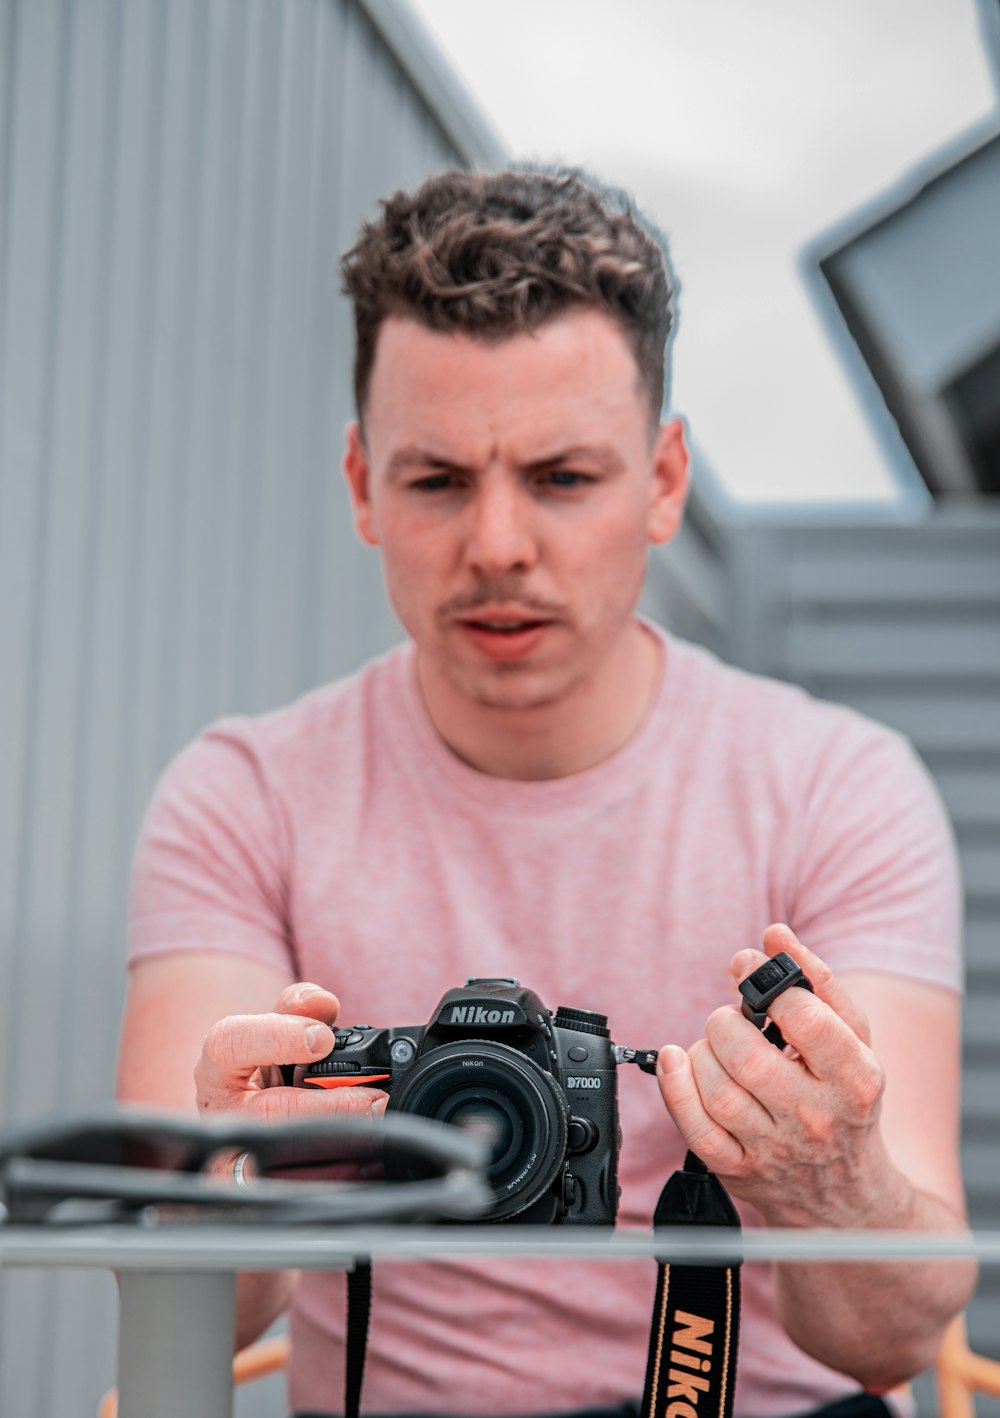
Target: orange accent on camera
x=346, y=1080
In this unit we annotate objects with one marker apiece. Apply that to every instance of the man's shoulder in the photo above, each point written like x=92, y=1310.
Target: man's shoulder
x=332, y=707
x=334, y=716
x=745, y=708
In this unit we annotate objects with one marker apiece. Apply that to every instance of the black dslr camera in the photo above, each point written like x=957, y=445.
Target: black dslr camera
x=541, y=1088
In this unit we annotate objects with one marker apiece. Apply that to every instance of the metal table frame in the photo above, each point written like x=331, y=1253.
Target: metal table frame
x=178, y=1281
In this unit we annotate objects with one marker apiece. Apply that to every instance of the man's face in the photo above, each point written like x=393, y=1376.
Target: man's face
x=513, y=488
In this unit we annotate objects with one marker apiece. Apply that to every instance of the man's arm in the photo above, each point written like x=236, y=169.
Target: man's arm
x=172, y=1002
x=856, y=1127
x=197, y=1025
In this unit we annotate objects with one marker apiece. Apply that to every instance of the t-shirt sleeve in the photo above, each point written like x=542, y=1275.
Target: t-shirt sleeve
x=210, y=866
x=878, y=885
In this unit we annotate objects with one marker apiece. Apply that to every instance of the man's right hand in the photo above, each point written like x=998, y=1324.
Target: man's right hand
x=238, y=1071
x=170, y=1033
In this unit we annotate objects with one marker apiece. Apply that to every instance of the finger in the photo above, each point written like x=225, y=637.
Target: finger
x=716, y=1147
x=820, y=976
x=826, y=1044
x=303, y=1105
x=310, y=1000
x=237, y=1045
x=744, y=963
x=761, y=1072
x=725, y=1097
x=337, y=1172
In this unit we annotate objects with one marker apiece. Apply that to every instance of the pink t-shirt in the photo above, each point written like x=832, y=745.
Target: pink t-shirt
x=340, y=840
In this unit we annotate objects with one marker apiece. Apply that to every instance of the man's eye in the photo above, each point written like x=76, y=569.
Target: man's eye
x=436, y=482
x=566, y=479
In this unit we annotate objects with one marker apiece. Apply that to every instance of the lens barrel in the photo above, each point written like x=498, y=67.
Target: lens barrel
x=496, y=1092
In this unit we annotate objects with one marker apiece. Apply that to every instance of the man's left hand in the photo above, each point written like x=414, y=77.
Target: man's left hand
x=795, y=1132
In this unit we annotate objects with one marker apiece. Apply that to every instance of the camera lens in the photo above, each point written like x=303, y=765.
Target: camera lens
x=494, y=1091
x=490, y=1118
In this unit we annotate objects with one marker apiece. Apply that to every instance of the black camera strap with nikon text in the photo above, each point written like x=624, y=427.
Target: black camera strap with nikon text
x=694, y=1335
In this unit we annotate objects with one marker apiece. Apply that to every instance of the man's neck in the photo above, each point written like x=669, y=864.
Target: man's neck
x=553, y=740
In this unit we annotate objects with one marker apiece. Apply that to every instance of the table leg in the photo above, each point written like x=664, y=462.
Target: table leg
x=175, y=1343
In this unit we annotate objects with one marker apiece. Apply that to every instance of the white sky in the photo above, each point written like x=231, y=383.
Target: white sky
x=746, y=128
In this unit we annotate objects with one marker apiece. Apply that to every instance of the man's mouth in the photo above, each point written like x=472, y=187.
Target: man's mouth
x=506, y=638
x=505, y=627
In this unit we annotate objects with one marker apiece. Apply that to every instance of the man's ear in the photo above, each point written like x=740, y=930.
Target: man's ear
x=670, y=482
x=358, y=475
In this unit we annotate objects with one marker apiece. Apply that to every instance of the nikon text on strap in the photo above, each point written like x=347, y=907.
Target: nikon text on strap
x=694, y=1336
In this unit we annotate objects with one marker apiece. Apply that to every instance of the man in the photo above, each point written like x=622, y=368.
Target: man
x=540, y=784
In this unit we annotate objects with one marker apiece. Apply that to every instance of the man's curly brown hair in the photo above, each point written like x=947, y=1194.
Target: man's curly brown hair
x=493, y=254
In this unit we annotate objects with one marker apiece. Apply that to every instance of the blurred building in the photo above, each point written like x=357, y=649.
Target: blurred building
x=917, y=284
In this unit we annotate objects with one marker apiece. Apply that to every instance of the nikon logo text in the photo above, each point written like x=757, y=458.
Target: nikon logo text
x=576, y=1080
x=691, y=1357
x=480, y=1014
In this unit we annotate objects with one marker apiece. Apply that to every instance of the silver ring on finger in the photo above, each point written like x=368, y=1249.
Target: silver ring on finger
x=240, y=1176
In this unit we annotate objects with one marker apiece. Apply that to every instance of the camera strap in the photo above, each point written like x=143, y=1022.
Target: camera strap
x=694, y=1334
x=359, y=1307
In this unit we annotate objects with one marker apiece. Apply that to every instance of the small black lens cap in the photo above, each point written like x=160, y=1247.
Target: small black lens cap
x=767, y=982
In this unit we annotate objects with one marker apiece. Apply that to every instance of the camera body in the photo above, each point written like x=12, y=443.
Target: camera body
x=540, y=1087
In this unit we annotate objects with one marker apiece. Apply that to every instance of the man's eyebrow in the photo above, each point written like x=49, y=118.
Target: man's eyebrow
x=412, y=456
x=605, y=455
x=405, y=459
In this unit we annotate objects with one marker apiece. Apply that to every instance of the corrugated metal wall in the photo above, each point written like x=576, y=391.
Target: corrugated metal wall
x=177, y=178
x=903, y=623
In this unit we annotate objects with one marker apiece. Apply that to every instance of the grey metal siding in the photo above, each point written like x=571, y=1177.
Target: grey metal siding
x=177, y=179
x=906, y=626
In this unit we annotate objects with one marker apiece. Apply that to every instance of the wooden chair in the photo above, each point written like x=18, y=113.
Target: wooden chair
x=959, y=1373
x=267, y=1356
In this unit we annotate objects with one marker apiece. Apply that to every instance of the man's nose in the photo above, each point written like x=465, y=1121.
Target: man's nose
x=502, y=535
